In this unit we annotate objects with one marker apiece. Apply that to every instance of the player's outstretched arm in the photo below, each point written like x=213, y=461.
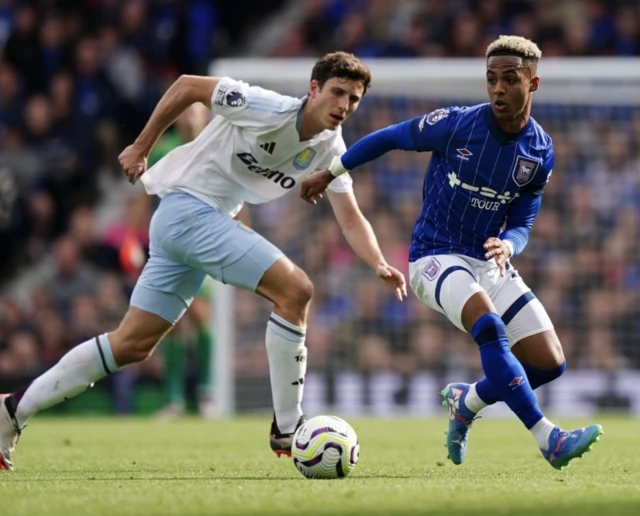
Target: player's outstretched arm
x=185, y=91
x=360, y=236
x=368, y=148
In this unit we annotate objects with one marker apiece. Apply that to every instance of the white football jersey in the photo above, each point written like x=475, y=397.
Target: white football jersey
x=250, y=152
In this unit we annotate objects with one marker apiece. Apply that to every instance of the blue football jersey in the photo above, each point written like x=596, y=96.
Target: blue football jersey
x=477, y=178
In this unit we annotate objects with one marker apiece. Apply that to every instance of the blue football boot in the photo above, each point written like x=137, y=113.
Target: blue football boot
x=460, y=420
x=564, y=446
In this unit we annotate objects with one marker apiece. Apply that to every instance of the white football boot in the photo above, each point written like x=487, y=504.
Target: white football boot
x=9, y=434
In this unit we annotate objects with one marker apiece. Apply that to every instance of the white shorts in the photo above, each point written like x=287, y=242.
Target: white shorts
x=445, y=282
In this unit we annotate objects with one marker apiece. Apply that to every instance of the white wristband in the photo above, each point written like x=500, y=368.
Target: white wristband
x=337, y=168
x=510, y=246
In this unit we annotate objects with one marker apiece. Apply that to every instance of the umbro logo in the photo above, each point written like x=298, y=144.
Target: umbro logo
x=517, y=382
x=269, y=146
x=464, y=154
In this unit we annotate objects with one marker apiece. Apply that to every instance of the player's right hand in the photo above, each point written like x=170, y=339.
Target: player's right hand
x=499, y=251
x=134, y=162
x=315, y=185
x=394, y=279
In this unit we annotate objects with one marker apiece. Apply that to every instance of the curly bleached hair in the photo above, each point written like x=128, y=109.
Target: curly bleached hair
x=515, y=46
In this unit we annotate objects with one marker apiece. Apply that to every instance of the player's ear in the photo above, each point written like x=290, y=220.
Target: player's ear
x=535, y=83
x=314, y=88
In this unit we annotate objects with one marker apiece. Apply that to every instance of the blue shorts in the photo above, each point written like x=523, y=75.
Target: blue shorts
x=188, y=240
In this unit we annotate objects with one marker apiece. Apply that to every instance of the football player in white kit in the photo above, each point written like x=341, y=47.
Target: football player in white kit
x=259, y=146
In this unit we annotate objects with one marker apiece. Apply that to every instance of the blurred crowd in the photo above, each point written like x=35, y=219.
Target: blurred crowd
x=78, y=80
x=76, y=85
x=463, y=28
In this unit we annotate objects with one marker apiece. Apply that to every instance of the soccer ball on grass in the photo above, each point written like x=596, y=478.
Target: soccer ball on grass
x=325, y=447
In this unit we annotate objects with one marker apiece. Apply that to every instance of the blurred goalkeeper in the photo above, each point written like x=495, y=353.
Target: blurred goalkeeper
x=481, y=194
x=258, y=148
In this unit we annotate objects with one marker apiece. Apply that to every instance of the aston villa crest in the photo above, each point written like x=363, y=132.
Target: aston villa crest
x=303, y=159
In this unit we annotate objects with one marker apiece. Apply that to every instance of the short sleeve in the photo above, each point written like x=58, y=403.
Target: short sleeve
x=251, y=106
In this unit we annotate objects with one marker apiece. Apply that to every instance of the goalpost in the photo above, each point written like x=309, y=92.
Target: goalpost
x=388, y=360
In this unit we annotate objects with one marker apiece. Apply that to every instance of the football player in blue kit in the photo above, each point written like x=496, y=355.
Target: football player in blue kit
x=482, y=191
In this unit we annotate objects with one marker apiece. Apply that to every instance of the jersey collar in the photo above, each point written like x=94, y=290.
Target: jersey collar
x=502, y=137
x=300, y=112
x=299, y=118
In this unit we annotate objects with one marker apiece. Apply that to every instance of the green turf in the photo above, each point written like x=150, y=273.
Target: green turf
x=143, y=467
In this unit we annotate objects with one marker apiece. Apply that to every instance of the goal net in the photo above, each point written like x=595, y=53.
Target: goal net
x=369, y=354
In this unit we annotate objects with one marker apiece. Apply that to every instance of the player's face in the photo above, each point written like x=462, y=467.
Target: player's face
x=510, y=85
x=335, y=101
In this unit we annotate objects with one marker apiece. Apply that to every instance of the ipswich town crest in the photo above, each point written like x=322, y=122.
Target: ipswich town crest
x=525, y=170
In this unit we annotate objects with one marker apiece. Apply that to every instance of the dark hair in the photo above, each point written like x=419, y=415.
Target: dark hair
x=342, y=65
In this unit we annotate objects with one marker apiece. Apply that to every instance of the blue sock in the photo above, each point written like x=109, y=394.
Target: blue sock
x=503, y=370
x=536, y=377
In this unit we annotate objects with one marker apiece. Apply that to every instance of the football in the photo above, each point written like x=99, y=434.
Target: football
x=325, y=447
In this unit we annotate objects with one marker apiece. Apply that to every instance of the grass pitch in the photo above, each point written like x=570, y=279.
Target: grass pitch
x=187, y=467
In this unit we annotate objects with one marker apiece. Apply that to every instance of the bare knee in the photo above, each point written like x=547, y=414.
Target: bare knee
x=299, y=294
x=552, y=360
x=293, y=301
x=542, y=351
x=290, y=290
x=137, y=336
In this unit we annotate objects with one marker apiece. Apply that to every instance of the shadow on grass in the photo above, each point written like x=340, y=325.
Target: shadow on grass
x=141, y=477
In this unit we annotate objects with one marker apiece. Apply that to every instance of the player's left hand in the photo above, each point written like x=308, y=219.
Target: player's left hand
x=499, y=250
x=315, y=185
x=394, y=279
